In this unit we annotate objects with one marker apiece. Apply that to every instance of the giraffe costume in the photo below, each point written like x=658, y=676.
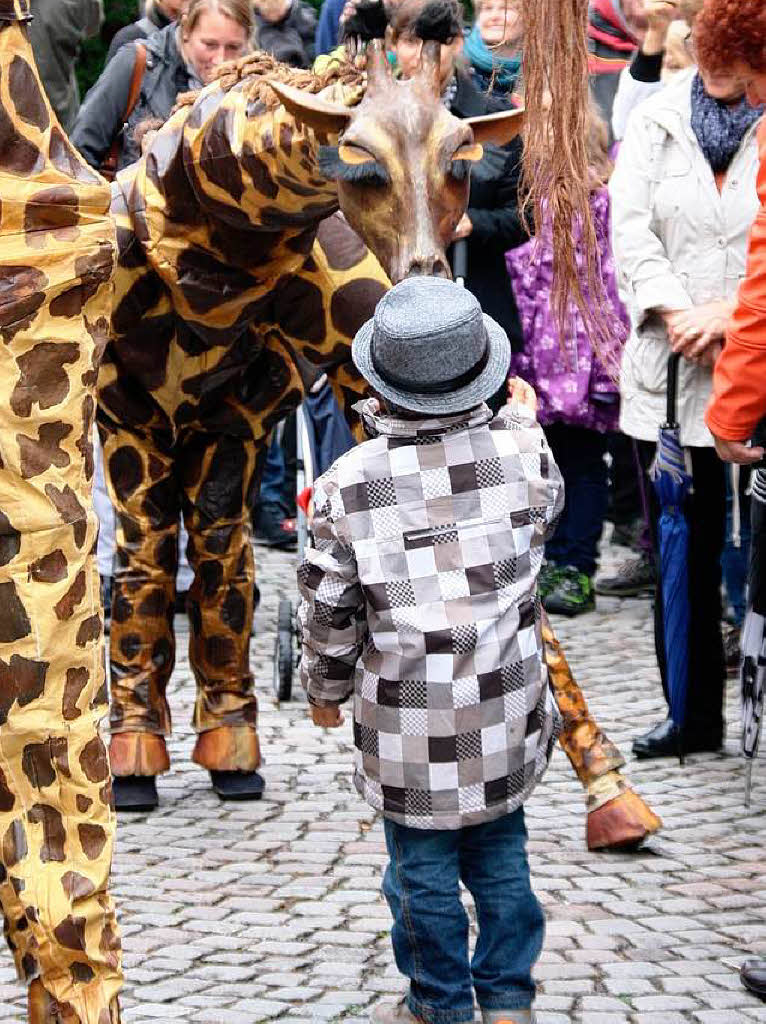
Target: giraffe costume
x=56, y=817
x=237, y=285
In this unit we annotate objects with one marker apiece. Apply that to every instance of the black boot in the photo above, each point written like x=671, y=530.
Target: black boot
x=238, y=785
x=134, y=793
x=664, y=741
x=753, y=976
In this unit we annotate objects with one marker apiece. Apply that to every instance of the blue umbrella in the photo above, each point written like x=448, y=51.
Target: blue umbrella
x=672, y=483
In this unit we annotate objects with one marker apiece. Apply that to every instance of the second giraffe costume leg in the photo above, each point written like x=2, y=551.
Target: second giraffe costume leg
x=208, y=478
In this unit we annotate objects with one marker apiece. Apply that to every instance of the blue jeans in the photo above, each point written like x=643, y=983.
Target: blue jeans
x=735, y=561
x=430, y=931
x=271, y=494
x=579, y=454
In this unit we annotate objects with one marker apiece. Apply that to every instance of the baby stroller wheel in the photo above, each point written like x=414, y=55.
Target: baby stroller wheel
x=283, y=652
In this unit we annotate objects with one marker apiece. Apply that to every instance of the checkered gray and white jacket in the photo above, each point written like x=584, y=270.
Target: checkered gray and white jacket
x=419, y=597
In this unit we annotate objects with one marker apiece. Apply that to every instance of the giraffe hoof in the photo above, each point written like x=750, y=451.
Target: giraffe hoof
x=622, y=824
x=238, y=785
x=134, y=793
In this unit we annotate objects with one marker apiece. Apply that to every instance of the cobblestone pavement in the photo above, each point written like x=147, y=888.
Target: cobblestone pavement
x=235, y=914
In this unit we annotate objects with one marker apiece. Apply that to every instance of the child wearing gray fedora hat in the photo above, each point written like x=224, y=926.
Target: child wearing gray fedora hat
x=419, y=597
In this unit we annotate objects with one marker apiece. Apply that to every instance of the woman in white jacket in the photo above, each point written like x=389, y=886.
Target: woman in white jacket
x=683, y=199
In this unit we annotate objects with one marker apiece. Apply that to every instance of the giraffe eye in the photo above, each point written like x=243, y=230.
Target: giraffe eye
x=354, y=155
x=333, y=163
x=472, y=152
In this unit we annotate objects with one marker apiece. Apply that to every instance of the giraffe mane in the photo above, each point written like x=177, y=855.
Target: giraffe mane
x=258, y=69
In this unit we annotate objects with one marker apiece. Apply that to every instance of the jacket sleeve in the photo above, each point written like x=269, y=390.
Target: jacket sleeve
x=634, y=87
x=502, y=225
x=102, y=115
x=739, y=380
x=548, y=490
x=643, y=264
x=331, y=612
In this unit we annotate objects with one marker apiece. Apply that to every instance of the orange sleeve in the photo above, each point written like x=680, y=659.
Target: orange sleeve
x=739, y=381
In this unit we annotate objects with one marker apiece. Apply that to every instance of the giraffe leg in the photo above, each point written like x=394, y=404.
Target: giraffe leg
x=56, y=819
x=219, y=471
x=617, y=816
x=144, y=488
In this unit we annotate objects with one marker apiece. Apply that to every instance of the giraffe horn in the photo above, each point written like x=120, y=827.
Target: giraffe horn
x=378, y=68
x=430, y=65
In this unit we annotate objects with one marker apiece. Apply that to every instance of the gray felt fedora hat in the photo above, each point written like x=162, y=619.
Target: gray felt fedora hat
x=429, y=348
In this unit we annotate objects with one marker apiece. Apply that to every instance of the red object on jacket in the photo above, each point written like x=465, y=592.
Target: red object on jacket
x=739, y=381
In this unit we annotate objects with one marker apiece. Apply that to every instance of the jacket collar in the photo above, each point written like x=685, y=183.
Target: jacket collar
x=158, y=18
x=379, y=425
x=164, y=44
x=671, y=110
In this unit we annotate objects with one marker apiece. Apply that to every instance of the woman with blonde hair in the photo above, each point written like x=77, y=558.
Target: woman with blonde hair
x=182, y=57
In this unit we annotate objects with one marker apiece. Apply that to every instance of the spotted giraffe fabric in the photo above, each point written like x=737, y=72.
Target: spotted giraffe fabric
x=56, y=821
x=236, y=288
x=419, y=598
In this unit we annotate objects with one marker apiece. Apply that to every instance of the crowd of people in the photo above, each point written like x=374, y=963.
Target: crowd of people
x=535, y=430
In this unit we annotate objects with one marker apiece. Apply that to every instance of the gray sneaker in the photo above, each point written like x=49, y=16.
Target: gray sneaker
x=633, y=578
x=398, y=1014
x=508, y=1016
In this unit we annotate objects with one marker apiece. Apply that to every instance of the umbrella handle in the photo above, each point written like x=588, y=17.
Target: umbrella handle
x=672, y=411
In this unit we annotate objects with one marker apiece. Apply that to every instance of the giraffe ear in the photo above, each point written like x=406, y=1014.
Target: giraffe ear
x=498, y=128
x=319, y=114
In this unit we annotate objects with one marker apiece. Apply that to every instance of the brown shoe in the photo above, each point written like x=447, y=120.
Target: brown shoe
x=44, y=1009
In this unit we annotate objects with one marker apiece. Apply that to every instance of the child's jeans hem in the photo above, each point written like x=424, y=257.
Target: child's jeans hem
x=432, y=1016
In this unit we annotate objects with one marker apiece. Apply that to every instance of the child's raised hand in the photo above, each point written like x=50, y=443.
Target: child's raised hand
x=523, y=393
x=327, y=718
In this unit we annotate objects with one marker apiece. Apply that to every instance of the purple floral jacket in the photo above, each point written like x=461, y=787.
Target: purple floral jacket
x=574, y=385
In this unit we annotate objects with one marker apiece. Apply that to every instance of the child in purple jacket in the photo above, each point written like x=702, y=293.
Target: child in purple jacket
x=577, y=391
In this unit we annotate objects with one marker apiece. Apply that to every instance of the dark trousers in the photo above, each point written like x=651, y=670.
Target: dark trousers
x=625, y=503
x=706, y=516
x=579, y=454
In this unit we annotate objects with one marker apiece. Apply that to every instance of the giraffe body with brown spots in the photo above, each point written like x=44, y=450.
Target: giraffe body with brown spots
x=56, y=817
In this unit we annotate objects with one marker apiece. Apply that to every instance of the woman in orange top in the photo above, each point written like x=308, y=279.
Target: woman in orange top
x=730, y=36
x=733, y=37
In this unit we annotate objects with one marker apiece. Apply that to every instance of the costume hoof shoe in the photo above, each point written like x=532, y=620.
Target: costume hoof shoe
x=238, y=785
x=134, y=793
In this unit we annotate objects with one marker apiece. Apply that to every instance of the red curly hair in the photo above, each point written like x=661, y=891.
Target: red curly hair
x=731, y=32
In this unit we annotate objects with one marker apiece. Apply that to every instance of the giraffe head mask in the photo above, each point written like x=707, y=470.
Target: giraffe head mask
x=402, y=163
